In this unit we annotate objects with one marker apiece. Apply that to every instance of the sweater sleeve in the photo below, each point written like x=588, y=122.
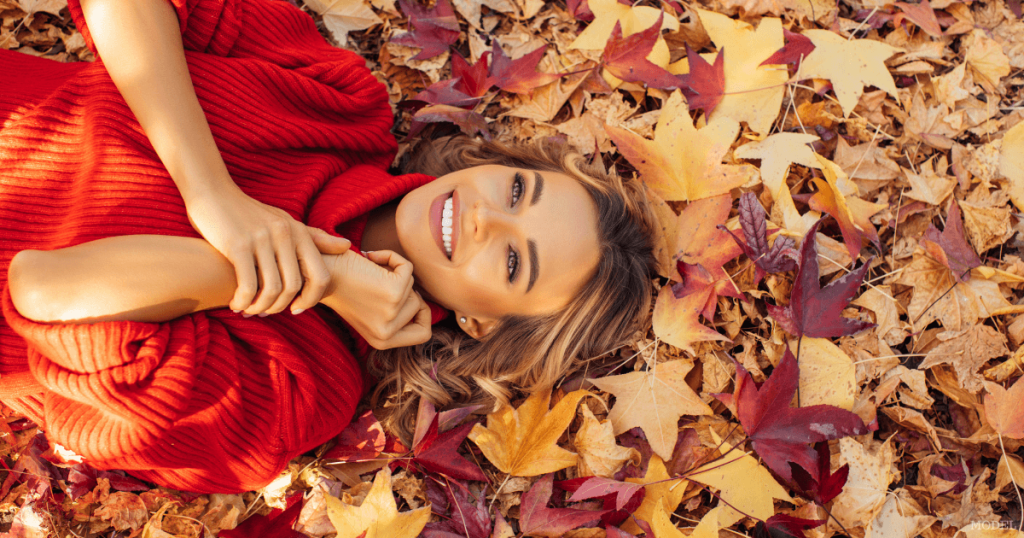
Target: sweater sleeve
x=206, y=25
x=209, y=402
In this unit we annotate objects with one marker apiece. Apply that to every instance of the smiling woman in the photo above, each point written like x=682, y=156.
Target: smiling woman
x=161, y=209
x=579, y=290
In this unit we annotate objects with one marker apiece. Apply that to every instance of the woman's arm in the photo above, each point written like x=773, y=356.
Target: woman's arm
x=141, y=47
x=157, y=278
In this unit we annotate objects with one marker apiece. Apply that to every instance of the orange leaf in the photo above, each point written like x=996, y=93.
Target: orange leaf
x=1004, y=409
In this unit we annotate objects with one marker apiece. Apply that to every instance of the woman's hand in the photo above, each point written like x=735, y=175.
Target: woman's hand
x=375, y=296
x=272, y=253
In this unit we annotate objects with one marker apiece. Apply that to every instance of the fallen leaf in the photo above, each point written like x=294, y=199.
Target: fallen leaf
x=746, y=487
x=676, y=318
x=850, y=212
x=682, y=163
x=659, y=489
x=378, y=515
x=469, y=519
x=928, y=186
x=626, y=57
x=53, y=7
x=868, y=482
x=777, y=153
x=753, y=220
x=473, y=80
x=522, y=442
x=608, y=13
x=434, y=29
x=1011, y=163
x=797, y=47
x=277, y=524
x=1003, y=409
x=849, y=64
x=986, y=58
x=821, y=485
x=897, y=520
x=783, y=525
x=703, y=84
x=815, y=311
x=827, y=375
x=599, y=455
x=922, y=15
x=539, y=520
x=520, y=75
x=780, y=433
x=967, y=351
x=361, y=440
x=654, y=400
x=344, y=16
x=950, y=247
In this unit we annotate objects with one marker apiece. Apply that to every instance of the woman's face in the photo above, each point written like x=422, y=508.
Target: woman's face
x=490, y=241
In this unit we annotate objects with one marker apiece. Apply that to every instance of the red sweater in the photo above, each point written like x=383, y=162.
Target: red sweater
x=209, y=402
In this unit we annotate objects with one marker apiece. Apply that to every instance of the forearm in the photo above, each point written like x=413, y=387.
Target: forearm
x=138, y=277
x=141, y=47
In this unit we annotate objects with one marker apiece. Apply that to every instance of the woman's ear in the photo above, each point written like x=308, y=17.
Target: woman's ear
x=476, y=328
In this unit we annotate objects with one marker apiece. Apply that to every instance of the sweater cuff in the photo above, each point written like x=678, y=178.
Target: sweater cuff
x=88, y=348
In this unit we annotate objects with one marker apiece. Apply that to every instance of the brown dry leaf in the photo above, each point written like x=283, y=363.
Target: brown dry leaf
x=52, y=7
x=1010, y=470
x=865, y=161
x=953, y=86
x=967, y=350
x=987, y=222
x=986, y=58
x=928, y=124
x=879, y=300
x=654, y=400
x=868, y=482
x=914, y=421
x=849, y=65
x=599, y=455
x=123, y=510
x=928, y=186
x=344, y=16
x=543, y=104
x=523, y=441
x=962, y=306
x=1011, y=163
x=900, y=517
x=1003, y=409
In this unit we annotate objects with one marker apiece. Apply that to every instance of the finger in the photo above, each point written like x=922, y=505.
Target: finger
x=270, y=273
x=317, y=276
x=291, y=276
x=327, y=243
x=399, y=265
x=417, y=331
x=245, y=276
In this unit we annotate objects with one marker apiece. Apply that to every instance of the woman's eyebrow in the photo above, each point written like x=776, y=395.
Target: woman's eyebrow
x=531, y=246
x=538, y=188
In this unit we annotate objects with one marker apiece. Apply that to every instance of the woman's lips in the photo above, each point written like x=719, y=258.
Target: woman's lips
x=436, y=214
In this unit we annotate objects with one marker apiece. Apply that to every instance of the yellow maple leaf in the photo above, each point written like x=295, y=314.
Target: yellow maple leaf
x=653, y=400
x=632, y=18
x=1011, y=163
x=753, y=93
x=777, y=152
x=849, y=65
x=852, y=213
x=744, y=484
x=827, y=374
x=658, y=490
x=378, y=515
x=677, y=319
x=599, y=455
x=682, y=163
x=522, y=442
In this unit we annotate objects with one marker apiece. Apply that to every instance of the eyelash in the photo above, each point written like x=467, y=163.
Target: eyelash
x=512, y=260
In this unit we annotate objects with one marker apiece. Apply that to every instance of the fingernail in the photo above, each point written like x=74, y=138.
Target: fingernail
x=367, y=252
x=246, y=315
x=237, y=311
x=298, y=311
x=264, y=314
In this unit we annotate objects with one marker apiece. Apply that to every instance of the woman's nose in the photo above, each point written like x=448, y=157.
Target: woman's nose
x=487, y=220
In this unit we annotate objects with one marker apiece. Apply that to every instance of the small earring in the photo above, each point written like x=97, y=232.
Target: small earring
x=462, y=320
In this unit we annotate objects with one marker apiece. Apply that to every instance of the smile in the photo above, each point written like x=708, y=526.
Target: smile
x=444, y=218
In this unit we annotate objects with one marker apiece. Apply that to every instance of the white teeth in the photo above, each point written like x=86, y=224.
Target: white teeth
x=447, y=213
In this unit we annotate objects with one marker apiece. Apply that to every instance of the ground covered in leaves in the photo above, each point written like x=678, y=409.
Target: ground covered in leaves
x=836, y=348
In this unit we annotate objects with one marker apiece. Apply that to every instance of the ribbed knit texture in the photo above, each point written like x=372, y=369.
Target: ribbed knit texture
x=209, y=402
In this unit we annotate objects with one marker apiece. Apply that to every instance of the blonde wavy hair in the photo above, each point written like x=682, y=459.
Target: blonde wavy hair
x=526, y=352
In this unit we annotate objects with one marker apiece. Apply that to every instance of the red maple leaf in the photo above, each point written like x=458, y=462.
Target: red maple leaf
x=785, y=526
x=467, y=519
x=950, y=247
x=469, y=122
x=445, y=92
x=704, y=85
x=580, y=10
x=620, y=499
x=82, y=478
x=439, y=453
x=474, y=80
x=361, y=440
x=539, y=520
x=519, y=76
x=779, y=433
x=433, y=30
x=815, y=311
x=823, y=485
x=797, y=48
x=753, y=221
x=277, y=524
x=626, y=58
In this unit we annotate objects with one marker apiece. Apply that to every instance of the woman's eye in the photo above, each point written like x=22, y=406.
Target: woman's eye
x=518, y=185
x=513, y=265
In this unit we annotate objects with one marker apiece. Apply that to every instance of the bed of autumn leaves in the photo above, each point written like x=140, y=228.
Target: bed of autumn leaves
x=836, y=348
